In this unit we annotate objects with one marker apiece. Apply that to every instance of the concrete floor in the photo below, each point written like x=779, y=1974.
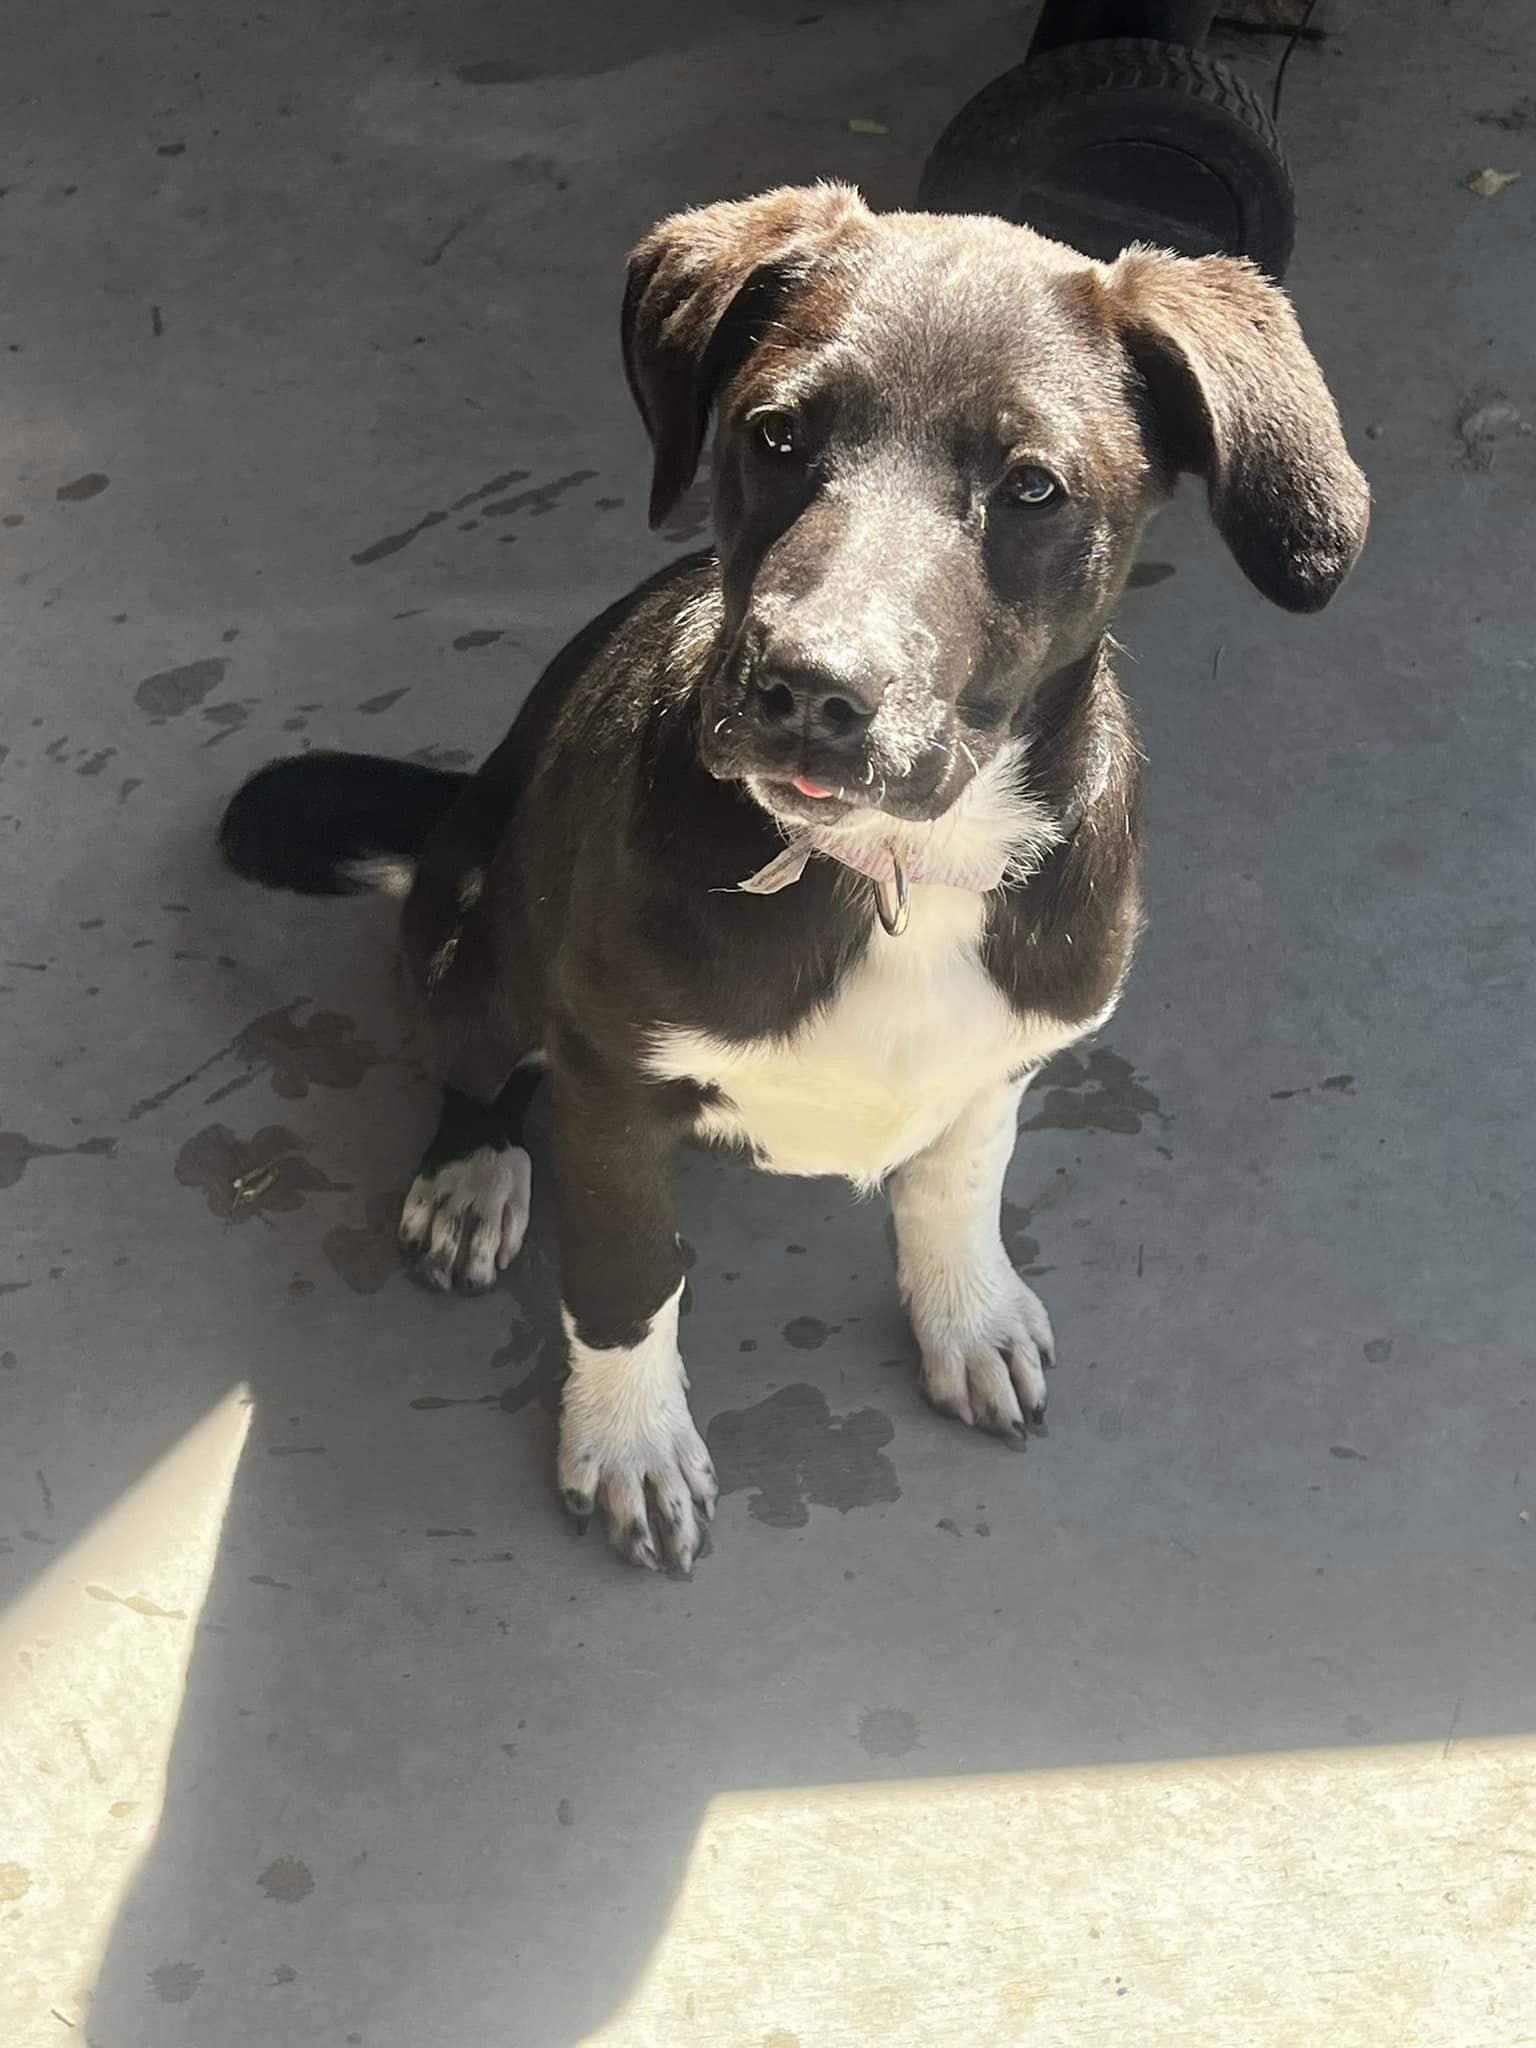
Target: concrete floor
x=285, y=290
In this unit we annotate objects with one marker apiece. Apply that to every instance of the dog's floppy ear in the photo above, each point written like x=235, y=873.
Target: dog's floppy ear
x=700, y=287
x=1238, y=400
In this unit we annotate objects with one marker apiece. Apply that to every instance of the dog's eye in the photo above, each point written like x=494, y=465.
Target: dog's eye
x=1033, y=488
x=776, y=432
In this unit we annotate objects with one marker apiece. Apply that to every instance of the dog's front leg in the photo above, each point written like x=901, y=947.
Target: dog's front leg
x=985, y=1336
x=628, y=1445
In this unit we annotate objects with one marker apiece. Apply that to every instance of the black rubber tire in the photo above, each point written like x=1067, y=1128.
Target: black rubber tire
x=1100, y=144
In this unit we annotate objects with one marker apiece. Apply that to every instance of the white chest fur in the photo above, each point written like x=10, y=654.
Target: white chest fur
x=916, y=1029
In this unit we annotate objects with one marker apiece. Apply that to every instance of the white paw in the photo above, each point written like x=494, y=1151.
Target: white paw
x=986, y=1342
x=629, y=1448
x=465, y=1223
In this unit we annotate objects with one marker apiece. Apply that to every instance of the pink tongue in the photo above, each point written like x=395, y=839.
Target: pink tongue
x=808, y=788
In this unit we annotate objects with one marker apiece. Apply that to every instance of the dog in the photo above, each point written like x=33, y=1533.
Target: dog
x=820, y=843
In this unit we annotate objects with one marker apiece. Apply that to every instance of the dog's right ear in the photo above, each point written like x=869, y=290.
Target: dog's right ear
x=701, y=286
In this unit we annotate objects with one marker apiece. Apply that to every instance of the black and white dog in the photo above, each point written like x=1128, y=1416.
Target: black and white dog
x=821, y=843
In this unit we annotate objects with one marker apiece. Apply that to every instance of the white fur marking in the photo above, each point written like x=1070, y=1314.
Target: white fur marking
x=916, y=1028
x=466, y=1222
x=625, y=1429
x=382, y=874
x=984, y=1335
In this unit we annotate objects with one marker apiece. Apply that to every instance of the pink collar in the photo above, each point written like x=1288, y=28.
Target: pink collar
x=869, y=858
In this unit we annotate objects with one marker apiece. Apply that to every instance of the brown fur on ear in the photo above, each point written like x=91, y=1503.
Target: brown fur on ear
x=1239, y=400
x=684, y=281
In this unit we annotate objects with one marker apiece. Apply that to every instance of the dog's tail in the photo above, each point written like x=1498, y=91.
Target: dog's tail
x=336, y=824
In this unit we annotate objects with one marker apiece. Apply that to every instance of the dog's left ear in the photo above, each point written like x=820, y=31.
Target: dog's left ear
x=700, y=289
x=1238, y=399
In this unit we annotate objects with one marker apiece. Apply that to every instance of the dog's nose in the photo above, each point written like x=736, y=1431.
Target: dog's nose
x=816, y=701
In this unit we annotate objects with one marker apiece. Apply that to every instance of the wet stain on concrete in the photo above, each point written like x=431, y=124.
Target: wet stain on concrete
x=136, y=1603
x=690, y=516
x=1147, y=573
x=887, y=1731
x=806, y=1333
x=539, y=499
x=950, y=1528
x=90, y=485
x=497, y=71
x=96, y=762
x=265, y=1175
x=283, y=1974
x=504, y=482
x=392, y=543
x=1021, y=1247
x=297, y=1052
x=386, y=699
x=482, y=636
x=172, y=691
x=1377, y=1349
x=286, y=1880
x=366, y=1256
x=1101, y=1093
x=126, y=788
x=18, y=1152
x=1344, y=1451
x=227, y=718
x=1333, y=1084
x=793, y=1454
x=565, y=1813
x=266, y=1579
x=174, y=1983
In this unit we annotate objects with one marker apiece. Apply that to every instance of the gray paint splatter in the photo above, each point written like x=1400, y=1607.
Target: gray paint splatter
x=17, y=1153
x=171, y=691
x=89, y=486
x=887, y=1731
x=1100, y=1093
x=174, y=1983
x=287, y=1881
x=793, y=1453
x=259, y=1176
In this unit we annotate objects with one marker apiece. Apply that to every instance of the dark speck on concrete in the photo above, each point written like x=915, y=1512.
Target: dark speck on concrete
x=83, y=487
x=174, y=1983
x=949, y=1527
x=497, y=71
x=747, y=1344
x=887, y=1731
x=171, y=691
x=287, y=1881
x=372, y=706
x=792, y=1453
x=392, y=543
x=1377, y=1349
x=1334, y=1084
x=170, y=149
x=482, y=636
x=565, y=1813
x=1344, y=1451
x=283, y=1974
x=806, y=1333
x=1100, y=1093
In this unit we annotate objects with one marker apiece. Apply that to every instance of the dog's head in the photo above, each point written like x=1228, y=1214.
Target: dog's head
x=937, y=442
